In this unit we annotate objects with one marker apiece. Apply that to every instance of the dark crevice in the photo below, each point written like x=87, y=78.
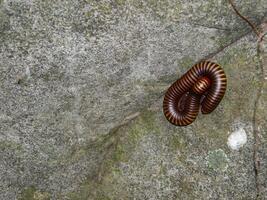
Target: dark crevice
x=260, y=52
x=252, y=25
x=211, y=55
x=256, y=133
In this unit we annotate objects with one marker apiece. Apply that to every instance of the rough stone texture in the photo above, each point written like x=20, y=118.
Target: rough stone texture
x=260, y=120
x=81, y=94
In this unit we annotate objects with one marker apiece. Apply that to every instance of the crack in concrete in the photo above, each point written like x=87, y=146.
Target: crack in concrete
x=211, y=55
x=260, y=53
x=195, y=24
x=262, y=65
x=111, y=144
x=213, y=27
x=256, y=157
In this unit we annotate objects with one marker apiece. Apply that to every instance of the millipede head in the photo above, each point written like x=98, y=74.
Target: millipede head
x=201, y=86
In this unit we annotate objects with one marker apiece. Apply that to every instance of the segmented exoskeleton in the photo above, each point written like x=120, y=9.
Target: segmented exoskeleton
x=204, y=84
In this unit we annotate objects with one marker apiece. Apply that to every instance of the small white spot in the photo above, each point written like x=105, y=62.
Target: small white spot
x=28, y=72
x=237, y=139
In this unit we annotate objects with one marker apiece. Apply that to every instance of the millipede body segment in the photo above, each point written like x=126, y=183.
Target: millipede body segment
x=202, y=86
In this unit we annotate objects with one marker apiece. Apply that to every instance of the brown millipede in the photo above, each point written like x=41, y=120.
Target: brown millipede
x=203, y=85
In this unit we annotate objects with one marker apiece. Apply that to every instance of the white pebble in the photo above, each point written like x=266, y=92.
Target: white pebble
x=237, y=139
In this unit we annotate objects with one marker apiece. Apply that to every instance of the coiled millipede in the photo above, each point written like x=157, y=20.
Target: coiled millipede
x=204, y=84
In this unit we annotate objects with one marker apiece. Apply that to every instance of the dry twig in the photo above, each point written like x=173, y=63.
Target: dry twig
x=254, y=28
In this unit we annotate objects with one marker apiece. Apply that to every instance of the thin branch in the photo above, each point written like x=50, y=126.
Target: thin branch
x=254, y=28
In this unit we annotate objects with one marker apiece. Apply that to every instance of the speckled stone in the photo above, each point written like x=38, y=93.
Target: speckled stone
x=81, y=93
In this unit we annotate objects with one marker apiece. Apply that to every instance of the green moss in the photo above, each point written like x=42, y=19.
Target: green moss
x=119, y=144
x=28, y=193
x=177, y=142
x=120, y=2
x=83, y=194
x=41, y=195
x=217, y=160
x=89, y=190
x=105, y=8
x=31, y=193
x=119, y=154
x=126, y=144
x=163, y=169
x=11, y=146
x=145, y=124
x=89, y=14
x=77, y=154
x=187, y=187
